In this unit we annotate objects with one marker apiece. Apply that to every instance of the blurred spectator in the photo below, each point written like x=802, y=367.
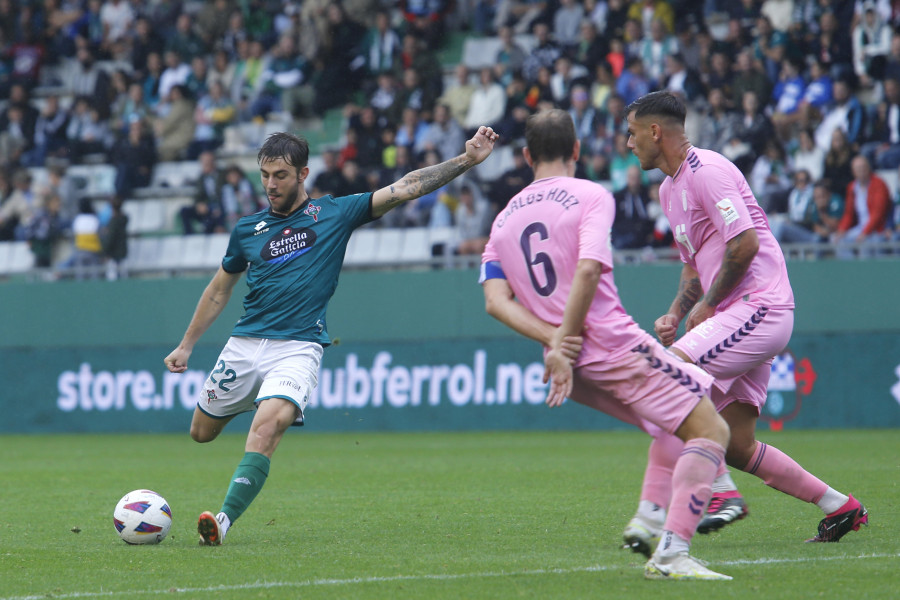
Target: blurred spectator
x=622, y=160
x=591, y=49
x=472, y=219
x=117, y=18
x=285, y=83
x=426, y=19
x=415, y=54
x=883, y=150
x=19, y=208
x=753, y=126
x=206, y=210
x=646, y=12
x=633, y=84
x=86, y=256
x=444, y=134
x=838, y=159
x=247, y=80
x=459, y=95
x=175, y=129
x=788, y=96
x=602, y=85
x=510, y=56
x=62, y=186
x=717, y=124
x=770, y=177
x=235, y=35
x=614, y=17
x=892, y=67
x=45, y=231
x=769, y=47
x=49, y=134
x=212, y=21
x=411, y=132
x=566, y=24
x=749, y=78
x=520, y=14
x=866, y=207
x=721, y=76
x=367, y=134
x=662, y=232
x=329, y=178
x=221, y=70
x=176, y=72
x=27, y=115
x=196, y=79
x=381, y=46
x=114, y=238
x=653, y=51
x=184, y=41
x=145, y=41
x=128, y=109
x=488, y=102
x=238, y=197
x=150, y=82
x=808, y=156
x=384, y=98
x=336, y=75
x=134, y=157
x=87, y=132
x=846, y=113
x=540, y=94
x=213, y=112
x=565, y=76
x=805, y=222
x=680, y=80
x=14, y=136
x=833, y=46
x=413, y=93
x=818, y=95
x=351, y=179
x=511, y=181
x=544, y=53
x=871, y=45
x=87, y=79
x=162, y=15
x=583, y=114
x=633, y=226
x=26, y=57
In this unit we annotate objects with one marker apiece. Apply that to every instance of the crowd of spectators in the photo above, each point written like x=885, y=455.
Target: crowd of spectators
x=803, y=95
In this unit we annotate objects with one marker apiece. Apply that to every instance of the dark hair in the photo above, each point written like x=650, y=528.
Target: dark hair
x=550, y=135
x=658, y=104
x=292, y=148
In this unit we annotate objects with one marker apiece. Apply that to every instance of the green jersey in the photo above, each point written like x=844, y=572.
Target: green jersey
x=293, y=265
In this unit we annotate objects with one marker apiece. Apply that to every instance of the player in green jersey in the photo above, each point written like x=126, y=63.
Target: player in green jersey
x=292, y=253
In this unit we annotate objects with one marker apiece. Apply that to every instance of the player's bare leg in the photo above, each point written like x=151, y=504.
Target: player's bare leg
x=272, y=419
x=205, y=428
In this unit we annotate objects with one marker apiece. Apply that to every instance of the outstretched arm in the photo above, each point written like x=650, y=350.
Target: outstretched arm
x=210, y=306
x=422, y=181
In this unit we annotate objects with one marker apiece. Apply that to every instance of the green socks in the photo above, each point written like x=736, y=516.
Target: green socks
x=248, y=479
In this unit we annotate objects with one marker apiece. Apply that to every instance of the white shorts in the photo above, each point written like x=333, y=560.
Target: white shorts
x=250, y=370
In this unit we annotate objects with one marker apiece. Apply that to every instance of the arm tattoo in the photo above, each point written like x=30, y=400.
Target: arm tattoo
x=427, y=179
x=734, y=266
x=689, y=291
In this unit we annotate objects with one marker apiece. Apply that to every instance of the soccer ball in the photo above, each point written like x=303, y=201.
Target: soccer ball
x=142, y=517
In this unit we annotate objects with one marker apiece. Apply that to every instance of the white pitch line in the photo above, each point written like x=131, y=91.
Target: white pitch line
x=261, y=585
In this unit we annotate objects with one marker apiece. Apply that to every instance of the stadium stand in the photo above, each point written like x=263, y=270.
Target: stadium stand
x=122, y=85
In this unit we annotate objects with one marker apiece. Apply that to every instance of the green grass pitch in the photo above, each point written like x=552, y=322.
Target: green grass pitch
x=423, y=516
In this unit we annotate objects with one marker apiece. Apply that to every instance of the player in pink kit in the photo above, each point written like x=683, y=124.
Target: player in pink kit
x=550, y=250
x=738, y=307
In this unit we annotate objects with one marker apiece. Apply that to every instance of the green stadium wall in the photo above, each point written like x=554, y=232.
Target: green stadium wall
x=414, y=351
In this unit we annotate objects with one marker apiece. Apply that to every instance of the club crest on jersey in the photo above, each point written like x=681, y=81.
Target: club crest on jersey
x=313, y=211
x=287, y=244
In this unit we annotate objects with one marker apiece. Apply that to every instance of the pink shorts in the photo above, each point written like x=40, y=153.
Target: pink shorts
x=648, y=387
x=736, y=346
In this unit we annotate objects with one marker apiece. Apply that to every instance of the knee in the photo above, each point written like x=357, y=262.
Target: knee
x=203, y=435
x=740, y=452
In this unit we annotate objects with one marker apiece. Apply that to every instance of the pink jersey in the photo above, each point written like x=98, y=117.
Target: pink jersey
x=538, y=240
x=708, y=202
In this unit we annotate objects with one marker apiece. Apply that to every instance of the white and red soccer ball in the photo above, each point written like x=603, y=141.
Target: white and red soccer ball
x=142, y=517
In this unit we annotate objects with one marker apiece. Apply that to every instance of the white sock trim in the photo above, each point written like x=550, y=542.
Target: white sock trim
x=831, y=501
x=724, y=483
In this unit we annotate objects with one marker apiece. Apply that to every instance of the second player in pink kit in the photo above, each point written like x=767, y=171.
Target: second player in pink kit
x=550, y=249
x=736, y=302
